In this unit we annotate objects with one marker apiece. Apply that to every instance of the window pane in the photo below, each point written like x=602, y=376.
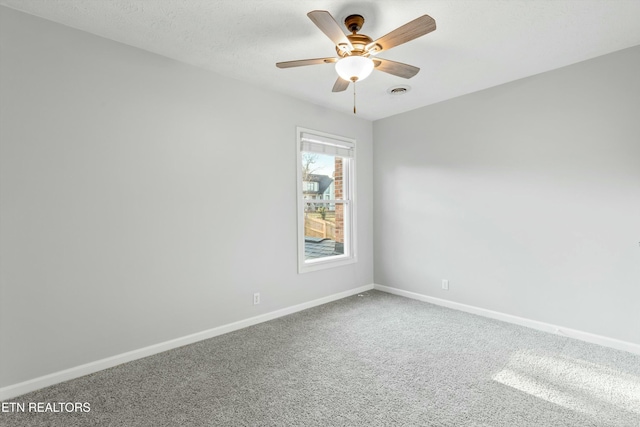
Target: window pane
x=323, y=222
x=319, y=175
x=323, y=229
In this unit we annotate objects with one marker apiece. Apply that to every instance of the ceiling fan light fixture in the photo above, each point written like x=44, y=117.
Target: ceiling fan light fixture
x=354, y=68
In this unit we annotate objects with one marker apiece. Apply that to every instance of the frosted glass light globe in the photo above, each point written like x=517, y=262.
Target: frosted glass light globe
x=352, y=68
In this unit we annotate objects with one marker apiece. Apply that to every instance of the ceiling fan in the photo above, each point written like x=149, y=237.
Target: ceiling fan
x=355, y=51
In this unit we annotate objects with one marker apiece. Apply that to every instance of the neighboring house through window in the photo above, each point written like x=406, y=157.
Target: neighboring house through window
x=326, y=210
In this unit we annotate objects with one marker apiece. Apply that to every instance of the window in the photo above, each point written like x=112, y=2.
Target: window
x=326, y=208
x=310, y=186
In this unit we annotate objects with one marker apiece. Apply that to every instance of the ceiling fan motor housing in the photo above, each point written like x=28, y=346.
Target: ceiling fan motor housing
x=359, y=43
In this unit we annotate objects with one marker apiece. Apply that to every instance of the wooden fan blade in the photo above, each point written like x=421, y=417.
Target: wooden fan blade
x=396, y=68
x=330, y=27
x=302, y=62
x=340, y=85
x=409, y=31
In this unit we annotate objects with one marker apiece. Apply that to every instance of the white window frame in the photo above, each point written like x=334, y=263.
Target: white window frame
x=349, y=200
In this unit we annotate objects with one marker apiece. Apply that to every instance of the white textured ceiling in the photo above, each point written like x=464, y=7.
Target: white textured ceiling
x=477, y=44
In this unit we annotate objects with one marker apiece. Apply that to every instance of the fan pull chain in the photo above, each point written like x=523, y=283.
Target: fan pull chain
x=354, y=97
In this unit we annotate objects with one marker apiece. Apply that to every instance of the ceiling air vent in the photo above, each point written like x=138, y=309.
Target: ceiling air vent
x=398, y=90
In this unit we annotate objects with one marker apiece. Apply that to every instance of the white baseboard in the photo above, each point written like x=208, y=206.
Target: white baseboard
x=14, y=390
x=534, y=324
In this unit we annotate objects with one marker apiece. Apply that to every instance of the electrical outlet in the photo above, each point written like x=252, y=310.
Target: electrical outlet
x=256, y=298
x=445, y=284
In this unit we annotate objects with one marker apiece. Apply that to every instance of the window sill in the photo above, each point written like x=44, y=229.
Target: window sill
x=325, y=263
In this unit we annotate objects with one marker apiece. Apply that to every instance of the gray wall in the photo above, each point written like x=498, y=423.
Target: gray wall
x=525, y=196
x=144, y=200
